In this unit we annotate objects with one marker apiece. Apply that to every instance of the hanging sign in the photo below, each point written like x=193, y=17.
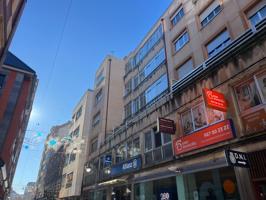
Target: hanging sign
x=166, y=125
x=236, y=158
x=215, y=100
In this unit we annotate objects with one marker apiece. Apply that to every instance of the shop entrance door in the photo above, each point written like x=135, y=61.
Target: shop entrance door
x=121, y=192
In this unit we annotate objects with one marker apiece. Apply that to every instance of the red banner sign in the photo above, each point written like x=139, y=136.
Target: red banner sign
x=215, y=100
x=166, y=125
x=207, y=136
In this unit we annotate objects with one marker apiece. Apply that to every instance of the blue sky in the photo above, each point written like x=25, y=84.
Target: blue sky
x=94, y=28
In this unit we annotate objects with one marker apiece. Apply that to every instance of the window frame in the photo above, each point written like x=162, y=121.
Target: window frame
x=220, y=5
x=178, y=38
x=174, y=15
x=190, y=58
x=97, y=97
x=94, y=142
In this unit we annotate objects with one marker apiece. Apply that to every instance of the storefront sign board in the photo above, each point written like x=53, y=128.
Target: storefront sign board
x=215, y=100
x=166, y=125
x=237, y=158
x=128, y=166
x=212, y=134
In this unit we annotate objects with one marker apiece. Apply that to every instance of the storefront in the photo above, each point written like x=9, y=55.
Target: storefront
x=161, y=189
x=122, y=192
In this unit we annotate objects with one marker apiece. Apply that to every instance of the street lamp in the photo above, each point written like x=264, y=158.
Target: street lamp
x=88, y=168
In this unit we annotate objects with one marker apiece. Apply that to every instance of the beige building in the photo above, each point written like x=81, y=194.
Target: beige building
x=76, y=148
x=10, y=13
x=217, y=45
x=107, y=112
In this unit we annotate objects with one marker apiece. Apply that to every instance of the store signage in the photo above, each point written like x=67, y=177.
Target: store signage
x=215, y=100
x=236, y=158
x=213, y=134
x=128, y=166
x=166, y=125
x=255, y=121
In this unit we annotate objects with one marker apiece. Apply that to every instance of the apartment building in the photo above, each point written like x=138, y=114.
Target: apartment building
x=29, y=192
x=10, y=13
x=18, y=83
x=49, y=178
x=76, y=148
x=198, y=51
x=107, y=114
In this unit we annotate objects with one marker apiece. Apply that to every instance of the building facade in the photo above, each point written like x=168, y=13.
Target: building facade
x=76, y=148
x=51, y=167
x=10, y=13
x=18, y=84
x=29, y=192
x=107, y=114
x=198, y=50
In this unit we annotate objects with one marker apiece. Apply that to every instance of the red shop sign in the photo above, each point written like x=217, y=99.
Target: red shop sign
x=210, y=135
x=214, y=100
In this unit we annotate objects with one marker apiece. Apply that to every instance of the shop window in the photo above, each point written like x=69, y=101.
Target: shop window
x=98, y=96
x=179, y=14
x=212, y=184
x=218, y=43
x=2, y=80
x=181, y=41
x=210, y=12
x=79, y=113
x=252, y=92
x=258, y=16
x=198, y=117
x=185, y=69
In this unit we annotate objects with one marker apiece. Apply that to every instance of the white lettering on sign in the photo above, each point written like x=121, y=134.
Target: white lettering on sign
x=129, y=165
x=165, y=196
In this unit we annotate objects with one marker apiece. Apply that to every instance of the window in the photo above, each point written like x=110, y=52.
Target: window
x=209, y=13
x=146, y=48
x=135, y=81
x=99, y=78
x=2, y=80
x=198, y=117
x=72, y=157
x=121, y=153
x=142, y=100
x=136, y=147
x=76, y=132
x=98, y=96
x=148, y=141
x=181, y=41
x=96, y=119
x=69, y=179
x=258, y=16
x=252, y=92
x=128, y=110
x=79, y=113
x=178, y=16
x=218, y=43
x=135, y=105
x=185, y=69
x=94, y=145
x=128, y=87
x=130, y=65
x=156, y=88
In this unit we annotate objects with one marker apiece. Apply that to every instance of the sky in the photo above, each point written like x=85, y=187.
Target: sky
x=65, y=41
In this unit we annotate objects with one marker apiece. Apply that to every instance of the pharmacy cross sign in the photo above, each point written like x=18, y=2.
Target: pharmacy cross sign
x=236, y=158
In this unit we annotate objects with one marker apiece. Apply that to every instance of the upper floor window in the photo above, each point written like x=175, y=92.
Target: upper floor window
x=69, y=179
x=128, y=87
x=98, y=96
x=198, y=117
x=218, y=43
x=146, y=48
x=156, y=88
x=76, y=132
x=2, y=80
x=135, y=81
x=121, y=153
x=179, y=14
x=127, y=150
x=181, y=41
x=128, y=110
x=94, y=145
x=185, y=69
x=252, y=92
x=258, y=16
x=99, y=78
x=135, y=105
x=79, y=113
x=210, y=12
x=96, y=119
